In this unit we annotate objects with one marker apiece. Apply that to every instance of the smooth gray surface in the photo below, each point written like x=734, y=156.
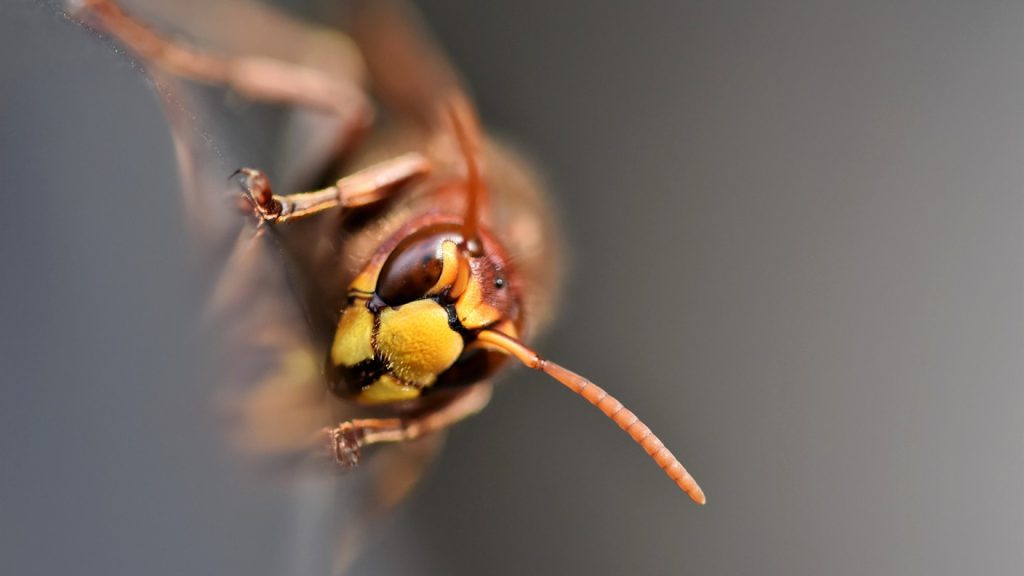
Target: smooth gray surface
x=798, y=255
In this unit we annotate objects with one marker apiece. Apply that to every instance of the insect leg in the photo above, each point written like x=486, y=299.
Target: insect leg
x=348, y=438
x=365, y=187
x=258, y=78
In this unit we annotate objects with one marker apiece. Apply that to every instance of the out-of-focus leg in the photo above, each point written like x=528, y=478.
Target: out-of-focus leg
x=258, y=78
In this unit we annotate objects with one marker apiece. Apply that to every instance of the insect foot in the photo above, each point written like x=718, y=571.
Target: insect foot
x=258, y=195
x=344, y=444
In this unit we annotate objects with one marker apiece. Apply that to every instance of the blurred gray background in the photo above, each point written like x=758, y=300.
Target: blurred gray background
x=798, y=254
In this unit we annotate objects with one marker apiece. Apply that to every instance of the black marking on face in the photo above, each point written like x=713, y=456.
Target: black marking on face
x=355, y=378
x=455, y=324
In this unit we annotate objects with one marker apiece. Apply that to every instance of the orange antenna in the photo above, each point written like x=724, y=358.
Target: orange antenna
x=606, y=403
x=467, y=134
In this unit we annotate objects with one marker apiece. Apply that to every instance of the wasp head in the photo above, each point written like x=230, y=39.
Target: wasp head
x=415, y=310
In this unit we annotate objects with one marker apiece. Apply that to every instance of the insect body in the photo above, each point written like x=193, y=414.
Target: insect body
x=437, y=259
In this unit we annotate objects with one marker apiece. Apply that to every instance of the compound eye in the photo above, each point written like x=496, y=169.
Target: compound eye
x=415, y=265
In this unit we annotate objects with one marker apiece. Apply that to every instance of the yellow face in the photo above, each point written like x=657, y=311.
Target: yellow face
x=413, y=313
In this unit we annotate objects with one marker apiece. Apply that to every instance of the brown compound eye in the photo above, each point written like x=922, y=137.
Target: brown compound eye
x=415, y=265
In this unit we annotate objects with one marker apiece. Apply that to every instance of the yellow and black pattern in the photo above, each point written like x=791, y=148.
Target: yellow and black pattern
x=414, y=313
x=390, y=355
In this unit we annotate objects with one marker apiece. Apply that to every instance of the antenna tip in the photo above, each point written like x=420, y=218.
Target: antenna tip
x=699, y=497
x=695, y=493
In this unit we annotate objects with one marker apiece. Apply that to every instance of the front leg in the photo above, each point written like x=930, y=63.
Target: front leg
x=370, y=185
x=346, y=440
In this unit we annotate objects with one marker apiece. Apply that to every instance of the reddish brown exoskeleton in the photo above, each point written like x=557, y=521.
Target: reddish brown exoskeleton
x=421, y=272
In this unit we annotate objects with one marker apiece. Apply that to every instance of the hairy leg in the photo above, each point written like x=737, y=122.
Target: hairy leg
x=363, y=188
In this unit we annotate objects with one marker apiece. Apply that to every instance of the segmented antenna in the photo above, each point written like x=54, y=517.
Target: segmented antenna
x=467, y=133
x=607, y=404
